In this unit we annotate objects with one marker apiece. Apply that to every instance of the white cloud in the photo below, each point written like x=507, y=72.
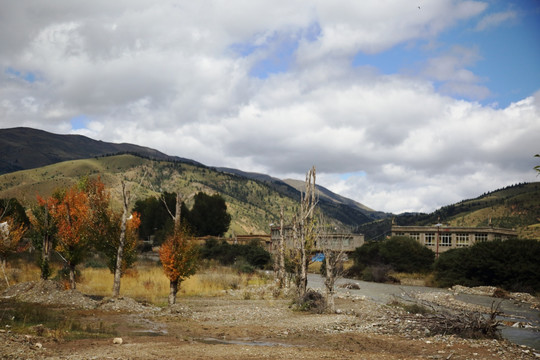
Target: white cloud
x=175, y=76
x=494, y=20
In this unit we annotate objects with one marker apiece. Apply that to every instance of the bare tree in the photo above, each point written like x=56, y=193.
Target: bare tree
x=122, y=242
x=280, y=253
x=305, y=227
x=331, y=243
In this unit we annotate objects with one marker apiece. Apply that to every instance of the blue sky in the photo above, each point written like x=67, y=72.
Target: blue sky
x=401, y=105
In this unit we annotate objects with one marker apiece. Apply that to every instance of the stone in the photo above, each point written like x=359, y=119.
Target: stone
x=118, y=341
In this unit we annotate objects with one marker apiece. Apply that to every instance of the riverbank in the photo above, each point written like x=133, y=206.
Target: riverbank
x=240, y=324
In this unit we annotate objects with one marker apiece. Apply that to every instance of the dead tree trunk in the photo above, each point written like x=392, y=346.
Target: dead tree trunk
x=281, y=251
x=330, y=280
x=308, y=202
x=279, y=254
x=122, y=242
x=331, y=243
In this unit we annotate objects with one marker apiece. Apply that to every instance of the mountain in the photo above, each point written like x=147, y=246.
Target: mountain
x=26, y=148
x=515, y=207
x=34, y=161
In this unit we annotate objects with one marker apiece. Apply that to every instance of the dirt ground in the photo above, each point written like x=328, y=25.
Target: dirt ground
x=244, y=327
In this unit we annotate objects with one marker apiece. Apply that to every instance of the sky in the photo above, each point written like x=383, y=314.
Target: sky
x=402, y=105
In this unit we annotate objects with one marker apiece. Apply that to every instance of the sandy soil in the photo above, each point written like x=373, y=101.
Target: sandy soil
x=230, y=327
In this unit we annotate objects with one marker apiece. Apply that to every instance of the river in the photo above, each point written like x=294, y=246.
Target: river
x=513, y=311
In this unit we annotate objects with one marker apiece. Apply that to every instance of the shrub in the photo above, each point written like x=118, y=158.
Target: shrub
x=401, y=253
x=511, y=265
x=312, y=301
x=227, y=254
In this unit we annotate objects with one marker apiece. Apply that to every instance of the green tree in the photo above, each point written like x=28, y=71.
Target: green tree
x=209, y=215
x=155, y=219
x=511, y=264
x=406, y=255
x=401, y=253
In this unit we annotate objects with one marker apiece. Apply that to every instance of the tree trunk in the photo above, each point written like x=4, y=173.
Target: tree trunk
x=3, y=263
x=121, y=244
x=329, y=258
x=45, y=255
x=72, y=283
x=46, y=248
x=281, y=253
x=173, y=291
x=177, y=213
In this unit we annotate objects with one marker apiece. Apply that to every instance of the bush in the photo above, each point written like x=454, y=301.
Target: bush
x=226, y=254
x=312, y=301
x=511, y=265
x=401, y=253
x=377, y=273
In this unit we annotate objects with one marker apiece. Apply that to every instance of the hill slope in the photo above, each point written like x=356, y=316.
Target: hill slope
x=25, y=148
x=253, y=204
x=516, y=206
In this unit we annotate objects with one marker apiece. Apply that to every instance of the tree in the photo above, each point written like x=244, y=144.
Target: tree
x=304, y=226
x=279, y=255
x=10, y=241
x=512, y=264
x=44, y=232
x=209, y=215
x=178, y=255
x=537, y=167
x=155, y=221
x=113, y=233
x=331, y=243
x=72, y=216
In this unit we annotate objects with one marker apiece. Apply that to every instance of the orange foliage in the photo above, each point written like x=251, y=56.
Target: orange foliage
x=10, y=237
x=179, y=257
x=72, y=216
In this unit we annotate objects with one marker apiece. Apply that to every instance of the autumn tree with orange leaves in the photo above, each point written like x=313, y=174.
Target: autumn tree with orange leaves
x=72, y=216
x=179, y=256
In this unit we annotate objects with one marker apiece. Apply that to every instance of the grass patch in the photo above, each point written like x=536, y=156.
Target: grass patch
x=148, y=283
x=413, y=308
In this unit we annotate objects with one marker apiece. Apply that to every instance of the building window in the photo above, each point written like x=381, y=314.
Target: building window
x=480, y=237
x=462, y=239
x=415, y=236
x=498, y=237
x=446, y=239
x=429, y=239
x=400, y=234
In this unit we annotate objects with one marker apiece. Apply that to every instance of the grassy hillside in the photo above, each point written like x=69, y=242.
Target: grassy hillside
x=515, y=207
x=252, y=204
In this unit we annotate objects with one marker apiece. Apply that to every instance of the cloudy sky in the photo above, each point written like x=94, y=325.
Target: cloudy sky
x=403, y=105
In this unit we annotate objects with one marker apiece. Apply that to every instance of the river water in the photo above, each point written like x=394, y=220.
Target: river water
x=513, y=311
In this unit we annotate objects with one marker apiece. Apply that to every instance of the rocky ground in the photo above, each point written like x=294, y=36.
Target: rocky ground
x=247, y=324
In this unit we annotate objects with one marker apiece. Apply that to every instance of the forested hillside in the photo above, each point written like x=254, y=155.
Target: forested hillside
x=253, y=204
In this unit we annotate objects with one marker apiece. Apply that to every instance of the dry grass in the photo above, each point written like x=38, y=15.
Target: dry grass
x=149, y=283
x=19, y=271
x=145, y=282
x=416, y=279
